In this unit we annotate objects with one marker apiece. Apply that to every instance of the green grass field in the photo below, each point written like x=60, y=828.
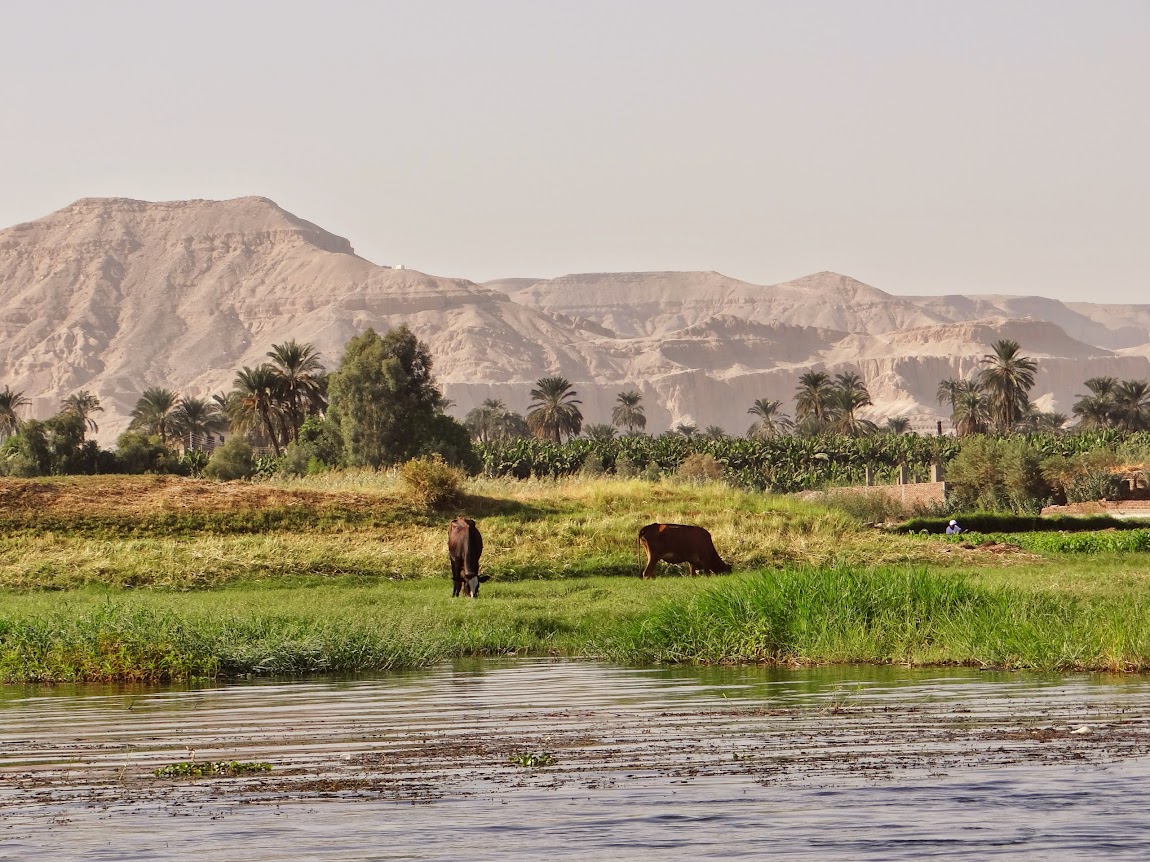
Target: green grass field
x=152, y=578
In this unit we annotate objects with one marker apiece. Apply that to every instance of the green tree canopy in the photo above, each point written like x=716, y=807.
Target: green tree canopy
x=387, y=405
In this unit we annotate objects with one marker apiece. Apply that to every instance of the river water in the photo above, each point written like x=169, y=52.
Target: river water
x=668, y=763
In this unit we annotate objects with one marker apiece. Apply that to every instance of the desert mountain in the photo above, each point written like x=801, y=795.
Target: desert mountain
x=115, y=295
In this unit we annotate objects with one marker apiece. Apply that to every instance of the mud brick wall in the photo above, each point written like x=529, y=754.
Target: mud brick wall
x=915, y=495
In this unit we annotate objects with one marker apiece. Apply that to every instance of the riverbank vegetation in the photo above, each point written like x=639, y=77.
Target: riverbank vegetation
x=159, y=578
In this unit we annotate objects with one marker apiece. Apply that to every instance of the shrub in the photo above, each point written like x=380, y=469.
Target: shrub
x=139, y=453
x=998, y=475
x=625, y=468
x=699, y=467
x=430, y=482
x=593, y=465
x=1083, y=477
x=233, y=460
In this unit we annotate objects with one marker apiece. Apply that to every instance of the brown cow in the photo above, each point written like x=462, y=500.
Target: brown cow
x=464, y=545
x=680, y=543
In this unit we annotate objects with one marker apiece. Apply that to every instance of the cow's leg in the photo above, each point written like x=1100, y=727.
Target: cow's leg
x=456, y=577
x=691, y=566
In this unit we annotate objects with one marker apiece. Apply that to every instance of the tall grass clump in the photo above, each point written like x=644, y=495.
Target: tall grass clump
x=906, y=616
x=122, y=643
x=430, y=482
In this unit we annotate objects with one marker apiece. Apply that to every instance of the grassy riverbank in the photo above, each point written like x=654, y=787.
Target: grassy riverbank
x=159, y=578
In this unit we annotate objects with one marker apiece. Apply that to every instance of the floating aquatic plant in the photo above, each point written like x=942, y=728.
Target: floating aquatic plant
x=191, y=769
x=532, y=759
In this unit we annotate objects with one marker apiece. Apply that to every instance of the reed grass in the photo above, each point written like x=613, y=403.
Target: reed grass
x=903, y=615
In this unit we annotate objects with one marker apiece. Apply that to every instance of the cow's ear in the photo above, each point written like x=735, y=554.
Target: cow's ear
x=483, y=579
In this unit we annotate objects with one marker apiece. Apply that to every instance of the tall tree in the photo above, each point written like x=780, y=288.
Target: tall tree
x=492, y=421
x=813, y=397
x=554, y=410
x=152, y=413
x=1096, y=410
x=599, y=431
x=194, y=419
x=83, y=404
x=483, y=422
x=10, y=402
x=849, y=395
x=258, y=400
x=771, y=421
x=628, y=412
x=388, y=407
x=302, y=382
x=1007, y=379
x=971, y=411
x=973, y=416
x=1132, y=405
x=897, y=425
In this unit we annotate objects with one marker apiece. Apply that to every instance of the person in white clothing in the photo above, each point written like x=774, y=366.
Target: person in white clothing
x=953, y=529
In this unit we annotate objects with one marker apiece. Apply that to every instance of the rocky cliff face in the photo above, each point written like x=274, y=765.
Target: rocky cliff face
x=114, y=295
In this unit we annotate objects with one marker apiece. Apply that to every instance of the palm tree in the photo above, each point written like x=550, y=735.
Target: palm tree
x=257, y=400
x=714, y=432
x=1007, y=379
x=850, y=394
x=771, y=422
x=628, y=413
x=1097, y=409
x=954, y=391
x=813, y=397
x=1132, y=405
x=897, y=425
x=152, y=413
x=686, y=429
x=10, y=402
x=971, y=414
x=302, y=383
x=194, y=419
x=484, y=422
x=599, y=431
x=554, y=410
x=83, y=404
x=1035, y=420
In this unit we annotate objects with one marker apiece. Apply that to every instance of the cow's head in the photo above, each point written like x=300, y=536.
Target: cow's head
x=471, y=584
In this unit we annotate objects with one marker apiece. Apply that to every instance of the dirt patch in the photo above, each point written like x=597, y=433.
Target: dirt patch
x=140, y=496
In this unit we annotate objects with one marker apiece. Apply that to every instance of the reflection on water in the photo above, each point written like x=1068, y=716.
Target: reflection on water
x=829, y=763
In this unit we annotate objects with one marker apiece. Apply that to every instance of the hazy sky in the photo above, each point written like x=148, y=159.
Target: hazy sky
x=922, y=147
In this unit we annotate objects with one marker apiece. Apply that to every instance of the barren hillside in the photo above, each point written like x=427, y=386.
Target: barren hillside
x=115, y=295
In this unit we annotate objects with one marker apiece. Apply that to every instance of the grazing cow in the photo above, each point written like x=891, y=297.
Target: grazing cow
x=464, y=545
x=680, y=543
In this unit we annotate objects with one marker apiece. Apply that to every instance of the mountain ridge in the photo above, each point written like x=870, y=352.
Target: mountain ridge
x=114, y=295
